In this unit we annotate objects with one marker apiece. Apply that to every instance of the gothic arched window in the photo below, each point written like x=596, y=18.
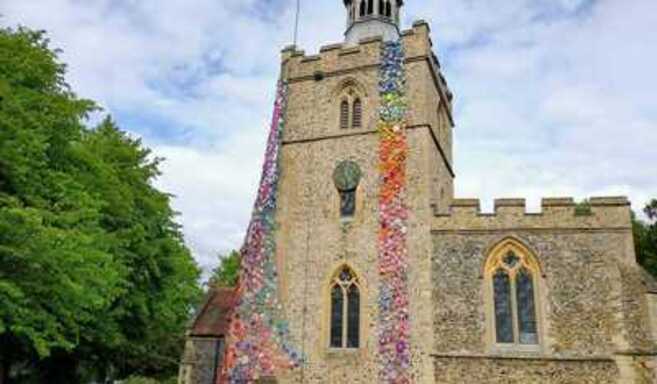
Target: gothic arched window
x=357, y=115
x=388, y=9
x=345, y=310
x=513, y=277
x=344, y=114
x=370, y=7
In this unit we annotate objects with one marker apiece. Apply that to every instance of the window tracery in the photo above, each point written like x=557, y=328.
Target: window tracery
x=345, y=310
x=513, y=277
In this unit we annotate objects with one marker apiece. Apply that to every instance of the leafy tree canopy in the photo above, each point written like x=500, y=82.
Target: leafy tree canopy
x=227, y=273
x=645, y=238
x=94, y=273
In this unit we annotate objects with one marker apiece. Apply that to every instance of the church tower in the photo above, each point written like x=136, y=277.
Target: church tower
x=330, y=212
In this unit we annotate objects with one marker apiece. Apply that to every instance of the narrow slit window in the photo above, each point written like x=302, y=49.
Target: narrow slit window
x=388, y=9
x=357, y=114
x=362, y=8
x=370, y=7
x=381, y=7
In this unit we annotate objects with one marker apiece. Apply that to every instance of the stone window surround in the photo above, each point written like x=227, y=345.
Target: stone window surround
x=530, y=261
x=326, y=310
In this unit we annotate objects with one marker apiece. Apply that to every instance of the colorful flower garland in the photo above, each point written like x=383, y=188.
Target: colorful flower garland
x=394, y=323
x=257, y=343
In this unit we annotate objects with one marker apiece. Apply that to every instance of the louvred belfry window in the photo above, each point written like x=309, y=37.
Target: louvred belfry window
x=345, y=310
x=513, y=277
x=357, y=114
x=344, y=114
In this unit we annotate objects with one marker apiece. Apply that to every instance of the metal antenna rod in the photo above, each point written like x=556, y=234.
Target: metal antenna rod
x=296, y=22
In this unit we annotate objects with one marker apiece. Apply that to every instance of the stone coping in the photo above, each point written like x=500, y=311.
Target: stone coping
x=511, y=213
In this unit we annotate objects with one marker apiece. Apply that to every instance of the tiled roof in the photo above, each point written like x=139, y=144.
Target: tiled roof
x=214, y=316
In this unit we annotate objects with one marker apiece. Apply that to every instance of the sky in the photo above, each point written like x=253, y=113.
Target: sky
x=552, y=97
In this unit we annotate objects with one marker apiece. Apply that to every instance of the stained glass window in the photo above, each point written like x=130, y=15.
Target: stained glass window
x=353, y=317
x=503, y=314
x=513, y=279
x=526, y=308
x=345, y=311
x=337, y=312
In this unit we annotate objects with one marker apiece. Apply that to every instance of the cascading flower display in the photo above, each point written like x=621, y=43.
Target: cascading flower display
x=393, y=321
x=258, y=338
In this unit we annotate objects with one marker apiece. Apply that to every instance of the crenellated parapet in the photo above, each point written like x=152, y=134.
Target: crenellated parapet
x=598, y=213
x=342, y=58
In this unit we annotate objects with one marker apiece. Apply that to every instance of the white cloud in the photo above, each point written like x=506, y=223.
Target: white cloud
x=552, y=97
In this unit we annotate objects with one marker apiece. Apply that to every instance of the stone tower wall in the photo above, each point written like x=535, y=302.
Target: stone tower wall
x=313, y=241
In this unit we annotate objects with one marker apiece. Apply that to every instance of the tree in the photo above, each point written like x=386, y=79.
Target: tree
x=645, y=238
x=227, y=273
x=94, y=273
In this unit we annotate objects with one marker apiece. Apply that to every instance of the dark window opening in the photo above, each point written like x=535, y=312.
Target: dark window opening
x=362, y=8
x=357, y=116
x=370, y=7
x=503, y=315
x=381, y=7
x=344, y=114
x=388, y=9
x=347, y=203
x=345, y=311
x=526, y=308
x=337, y=310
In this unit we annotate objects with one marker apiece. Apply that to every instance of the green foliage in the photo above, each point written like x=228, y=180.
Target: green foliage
x=651, y=210
x=583, y=208
x=645, y=238
x=227, y=273
x=93, y=268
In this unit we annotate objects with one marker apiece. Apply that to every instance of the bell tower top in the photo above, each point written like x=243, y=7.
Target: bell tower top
x=369, y=18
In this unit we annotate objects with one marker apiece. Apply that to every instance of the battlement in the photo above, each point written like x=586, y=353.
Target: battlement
x=556, y=213
x=342, y=57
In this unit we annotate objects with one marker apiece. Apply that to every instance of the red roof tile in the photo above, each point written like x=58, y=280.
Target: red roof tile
x=214, y=317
